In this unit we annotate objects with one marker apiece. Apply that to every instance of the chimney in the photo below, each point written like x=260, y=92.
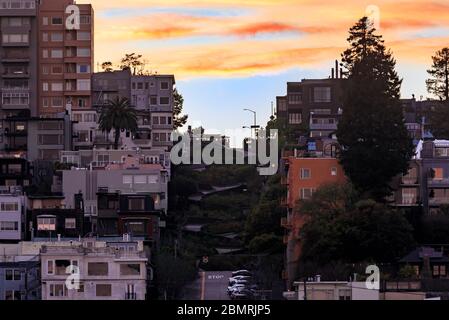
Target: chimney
x=333, y=73
x=336, y=69
x=341, y=73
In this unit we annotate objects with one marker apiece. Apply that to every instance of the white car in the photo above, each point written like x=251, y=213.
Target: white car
x=236, y=287
x=239, y=278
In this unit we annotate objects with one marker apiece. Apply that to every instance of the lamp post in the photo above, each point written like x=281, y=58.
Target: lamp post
x=255, y=126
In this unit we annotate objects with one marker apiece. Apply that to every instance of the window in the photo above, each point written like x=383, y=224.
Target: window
x=322, y=94
x=50, y=267
x=136, y=204
x=153, y=100
x=57, y=37
x=84, y=19
x=70, y=223
x=45, y=54
x=61, y=267
x=97, y=268
x=153, y=179
x=57, y=102
x=344, y=294
x=45, y=102
x=163, y=120
x=305, y=174
x=45, y=21
x=46, y=224
x=56, y=69
x=56, y=53
x=9, y=226
x=164, y=100
x=50, y=139
x=83, y=84
x=83, y=52
x=294, y=118
x=12, y=295
x=83, y=35
x=83, y=68
x=13, y=275
x=334, y=172
x=103, y=290
x=140, y=179
x=437, y=173
x=45, y=86
x=49, y=154
x=127, y=179
x=58, y=290
x=90, y=117
x=306, y=193
x=56, y=21
x=164, y=85
x=156, y=120
x=130, y=269
x=45, y=36
x=77, y=117
x=57, y=86
x=140, y=86
x=15, y=38
x=10, y=206
x=295, y=98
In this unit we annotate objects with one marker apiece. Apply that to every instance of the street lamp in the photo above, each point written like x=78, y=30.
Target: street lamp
x=255, y=126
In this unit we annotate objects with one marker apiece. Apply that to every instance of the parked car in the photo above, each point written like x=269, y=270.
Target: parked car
x=238, y=278
x=233, y=282
x=236, y=287
x=242, y=273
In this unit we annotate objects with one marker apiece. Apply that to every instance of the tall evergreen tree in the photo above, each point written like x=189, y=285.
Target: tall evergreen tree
x=438, y=84
x=375, y=142
x=178, y=120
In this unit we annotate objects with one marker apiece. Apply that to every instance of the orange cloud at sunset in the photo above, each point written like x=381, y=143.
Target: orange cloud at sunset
x=194, y=38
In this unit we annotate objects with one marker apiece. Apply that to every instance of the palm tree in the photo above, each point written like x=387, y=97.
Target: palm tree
x=117, y=115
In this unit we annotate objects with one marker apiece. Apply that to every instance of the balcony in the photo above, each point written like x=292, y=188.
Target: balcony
x=15, y=106
x=17, y=5
x=162, y=126
x=438, y=201
x=439, y=182
x=167, y=108
x=323, y=126
x=15, y=74
x=14, y=58
x=410, y=181
x=16, y=133
x=162, y=143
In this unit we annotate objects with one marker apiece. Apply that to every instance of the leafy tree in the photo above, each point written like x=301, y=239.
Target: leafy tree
x=178, y=120
x=439, y=120
x=133, y=62
x=407, y=272
x=117, y=115
x=375, y=143
x=267, y=242
x=340, y=228
x=107, y=66
x=438, y=84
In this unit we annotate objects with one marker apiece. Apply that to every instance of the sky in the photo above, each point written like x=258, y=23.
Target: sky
x=228, y=55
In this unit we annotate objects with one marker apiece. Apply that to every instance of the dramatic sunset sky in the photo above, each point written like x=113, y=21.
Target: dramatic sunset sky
x=228, y=54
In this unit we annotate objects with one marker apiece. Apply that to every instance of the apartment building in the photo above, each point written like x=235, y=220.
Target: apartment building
x=14, y=171
x=20, y=280
x=305, y=171
x=114, y=272
x=65, y=58
x=12, y=214
x=312, y=104
x=434, y=158
x=49, y=219
x=18, y=54
x=123, y=192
